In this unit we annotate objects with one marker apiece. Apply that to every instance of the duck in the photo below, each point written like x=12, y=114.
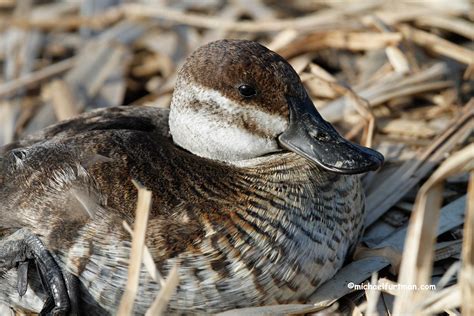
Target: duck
x=255, y=197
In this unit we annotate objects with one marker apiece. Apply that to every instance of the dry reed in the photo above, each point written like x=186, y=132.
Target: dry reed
x=390, y=74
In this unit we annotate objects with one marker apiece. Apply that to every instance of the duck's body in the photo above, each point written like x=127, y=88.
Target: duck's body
x=266, y=228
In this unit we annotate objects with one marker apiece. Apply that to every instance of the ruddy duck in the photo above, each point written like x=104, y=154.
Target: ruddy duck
x=254, y=194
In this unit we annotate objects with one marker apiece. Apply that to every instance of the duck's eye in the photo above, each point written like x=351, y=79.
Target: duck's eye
x=247, y=91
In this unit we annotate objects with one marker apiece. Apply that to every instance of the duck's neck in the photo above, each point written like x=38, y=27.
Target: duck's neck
x=284, y=167
x=294, y=213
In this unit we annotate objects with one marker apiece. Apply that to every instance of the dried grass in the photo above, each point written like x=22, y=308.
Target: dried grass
x=467, y=270
x=136, y=253
x=390, y=74
x=417, y=262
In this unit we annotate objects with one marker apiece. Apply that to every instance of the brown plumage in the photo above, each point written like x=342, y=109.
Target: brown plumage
x=267, y=228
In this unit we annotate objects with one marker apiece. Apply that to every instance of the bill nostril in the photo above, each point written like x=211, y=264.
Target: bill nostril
x=321, y=136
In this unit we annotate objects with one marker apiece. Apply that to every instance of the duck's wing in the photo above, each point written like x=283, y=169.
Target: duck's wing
x=120, y=117
x=59, y=157
x=61, y=174
x=80, y=175
x=45, y=186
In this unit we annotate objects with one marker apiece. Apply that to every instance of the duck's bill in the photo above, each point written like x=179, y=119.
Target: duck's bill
x=310, y=136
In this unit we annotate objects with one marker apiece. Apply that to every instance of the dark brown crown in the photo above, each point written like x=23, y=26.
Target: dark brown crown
x=225, y=65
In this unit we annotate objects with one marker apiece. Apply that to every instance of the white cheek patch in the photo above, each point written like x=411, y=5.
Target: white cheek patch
x=205, y=137
x=272, y=123
x=210, y=135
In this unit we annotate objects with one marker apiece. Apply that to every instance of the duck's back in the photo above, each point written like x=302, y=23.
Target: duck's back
x=114, y=118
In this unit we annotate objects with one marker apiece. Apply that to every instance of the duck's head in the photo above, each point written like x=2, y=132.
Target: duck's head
x=236, y=100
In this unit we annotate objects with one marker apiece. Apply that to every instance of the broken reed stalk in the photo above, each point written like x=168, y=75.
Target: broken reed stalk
x=438, y=45
x=451, y=24
x=167, y=287
x=279, y=310
x=147, y=259
x=363, y=108
x=467, y=269
x=166, y=291
x=62, y=99
x=35, y=78
x=394, y=53
x=390, y=86
x=354, y=41
x=136, y=253
x=411, y=172
x=418, y=251
x=321, y=19
x=449, y=274
x=47, y=23
x=444, y=300
x=372, y=296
